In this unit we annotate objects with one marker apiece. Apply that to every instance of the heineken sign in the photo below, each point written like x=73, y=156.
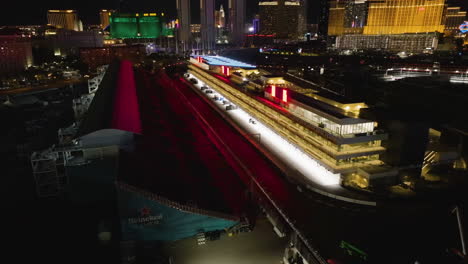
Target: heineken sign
x=145, y=218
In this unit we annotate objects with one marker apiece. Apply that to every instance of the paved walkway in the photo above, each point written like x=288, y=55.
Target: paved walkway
x=261, y=246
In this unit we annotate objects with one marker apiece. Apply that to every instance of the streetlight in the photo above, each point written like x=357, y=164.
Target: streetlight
x=251, y=29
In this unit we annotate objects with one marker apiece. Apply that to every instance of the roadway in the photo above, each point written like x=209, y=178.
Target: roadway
x=262, y=246
x=390, y=233
x=41, y=88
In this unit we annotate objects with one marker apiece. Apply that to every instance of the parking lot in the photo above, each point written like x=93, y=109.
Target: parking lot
x=260, y=246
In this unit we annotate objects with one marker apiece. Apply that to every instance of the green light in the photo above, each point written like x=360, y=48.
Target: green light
x=125, y=26
x=352, y=250
x=150, y=27
x=168, y=32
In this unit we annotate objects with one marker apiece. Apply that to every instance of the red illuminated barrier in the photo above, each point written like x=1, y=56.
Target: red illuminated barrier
x=275, y=91
x=225, y=70
x=126, y=115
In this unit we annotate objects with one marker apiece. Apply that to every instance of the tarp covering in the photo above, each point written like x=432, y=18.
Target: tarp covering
x=115, y=105
x=93, y=182
x=143, y=219
x=126, y=115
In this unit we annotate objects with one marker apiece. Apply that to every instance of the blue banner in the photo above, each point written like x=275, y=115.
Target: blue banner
x=145, y=220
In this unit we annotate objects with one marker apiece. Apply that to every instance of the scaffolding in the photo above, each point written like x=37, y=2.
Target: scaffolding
x=81, y=105
x=93, y=84
x=65, y=135
x=49, y=171
x=48, y=166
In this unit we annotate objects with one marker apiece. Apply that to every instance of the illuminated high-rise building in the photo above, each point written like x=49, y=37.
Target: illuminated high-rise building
x=386, y=17
x=347, y=17
x=220, y=25
x=256, y=24
x=237, y=21
x=399, y=25
x=405, y=16
x=104, y=16
x=285, y=18
x=324, y=11
x=355, y=16
x=208, y=33
x=453, y=19
x=183, y=26
x=136, y=25
x=66, y=19
x=16, y=53
x=220, y=18
x=336, y=18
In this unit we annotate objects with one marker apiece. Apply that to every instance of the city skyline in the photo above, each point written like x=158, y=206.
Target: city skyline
x=88, y=11
x=270, y=131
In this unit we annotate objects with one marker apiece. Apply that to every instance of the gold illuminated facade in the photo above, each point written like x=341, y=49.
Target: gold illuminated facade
x=286, y=19
x=66, y=19
x=336, y=18
x=454, y=18
x=347, y=17
x=104, y=17
x=405, y=16
x=395, y=42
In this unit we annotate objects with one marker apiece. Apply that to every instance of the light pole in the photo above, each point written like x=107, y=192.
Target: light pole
x=197, y=39
x=460, y=228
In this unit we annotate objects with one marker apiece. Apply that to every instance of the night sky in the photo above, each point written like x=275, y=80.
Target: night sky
x=35, y=12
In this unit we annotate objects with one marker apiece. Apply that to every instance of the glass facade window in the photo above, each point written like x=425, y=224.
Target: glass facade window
x=357, y=128
x=336, y=18
x=403, y=42
x=359, y=146
x=331, y=126
x=405, y=16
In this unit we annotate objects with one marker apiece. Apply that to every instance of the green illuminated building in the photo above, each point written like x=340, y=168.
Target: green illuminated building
x=136, y=25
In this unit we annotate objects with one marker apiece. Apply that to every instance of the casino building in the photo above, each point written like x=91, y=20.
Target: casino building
x=397, y=25
x=136, y=25
x=453, y=20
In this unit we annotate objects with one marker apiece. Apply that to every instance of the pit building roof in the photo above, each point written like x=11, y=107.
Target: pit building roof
x=224, y=61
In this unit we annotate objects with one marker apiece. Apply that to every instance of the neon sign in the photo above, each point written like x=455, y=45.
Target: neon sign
x=464, y=27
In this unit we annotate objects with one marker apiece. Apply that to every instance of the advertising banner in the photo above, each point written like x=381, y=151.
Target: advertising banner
x=146, y=220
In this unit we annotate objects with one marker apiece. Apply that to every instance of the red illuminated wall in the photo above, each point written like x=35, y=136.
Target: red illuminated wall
x=278, y=93
x=226, y=70
x=126, y=115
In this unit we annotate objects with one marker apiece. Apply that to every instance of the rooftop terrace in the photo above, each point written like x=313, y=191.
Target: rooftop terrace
x=223, y=61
